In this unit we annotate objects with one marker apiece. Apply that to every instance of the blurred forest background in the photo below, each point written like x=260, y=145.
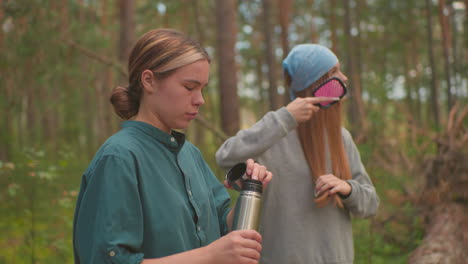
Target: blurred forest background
x=407, y=62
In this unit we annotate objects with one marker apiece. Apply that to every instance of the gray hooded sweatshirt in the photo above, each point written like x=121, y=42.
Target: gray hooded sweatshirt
x=293, y=229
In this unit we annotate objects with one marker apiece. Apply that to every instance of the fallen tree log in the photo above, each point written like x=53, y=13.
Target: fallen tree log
x=446, y=237
x=444, y=198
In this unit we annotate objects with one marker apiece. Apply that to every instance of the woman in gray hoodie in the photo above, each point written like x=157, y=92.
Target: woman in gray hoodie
x=319, y=180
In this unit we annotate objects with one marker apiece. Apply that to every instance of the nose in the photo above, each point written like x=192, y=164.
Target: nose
x=344, y=78
x=198, y=98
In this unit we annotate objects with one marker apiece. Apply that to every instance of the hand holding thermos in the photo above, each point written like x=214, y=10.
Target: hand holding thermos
x=243, y=244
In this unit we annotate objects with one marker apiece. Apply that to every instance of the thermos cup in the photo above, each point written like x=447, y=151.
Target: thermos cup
x=249, y=204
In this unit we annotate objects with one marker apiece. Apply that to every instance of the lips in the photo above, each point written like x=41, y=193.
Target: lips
x=191, y=115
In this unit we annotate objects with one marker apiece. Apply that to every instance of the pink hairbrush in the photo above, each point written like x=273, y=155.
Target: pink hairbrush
x=332, y=87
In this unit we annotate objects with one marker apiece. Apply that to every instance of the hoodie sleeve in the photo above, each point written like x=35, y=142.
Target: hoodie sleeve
x=252, y=142
x=363, y=200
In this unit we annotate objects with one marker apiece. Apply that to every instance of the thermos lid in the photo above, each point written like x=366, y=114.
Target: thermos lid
x=252, y=185
x=236, y=172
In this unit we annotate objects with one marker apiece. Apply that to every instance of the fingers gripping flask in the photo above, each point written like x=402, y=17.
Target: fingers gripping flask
x=249, y=206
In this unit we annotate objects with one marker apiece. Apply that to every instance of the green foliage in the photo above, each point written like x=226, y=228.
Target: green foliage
x=38, y=197
x=396, y=231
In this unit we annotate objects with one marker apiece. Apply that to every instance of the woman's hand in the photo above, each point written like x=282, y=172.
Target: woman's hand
x=255, y=171
x=331, y=184
x=258, y=172
x=237, y=247
x=302, y=109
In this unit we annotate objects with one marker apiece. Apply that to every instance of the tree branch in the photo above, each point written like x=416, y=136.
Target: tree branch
x=218, y=133
x=97, y=57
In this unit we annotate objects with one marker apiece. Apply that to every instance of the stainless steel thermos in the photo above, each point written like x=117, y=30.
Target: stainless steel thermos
x=249, y=204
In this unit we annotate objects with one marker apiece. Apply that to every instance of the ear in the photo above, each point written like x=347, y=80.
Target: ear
x=148, y=81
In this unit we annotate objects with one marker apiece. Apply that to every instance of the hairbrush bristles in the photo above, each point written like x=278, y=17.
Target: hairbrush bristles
x=333, y=87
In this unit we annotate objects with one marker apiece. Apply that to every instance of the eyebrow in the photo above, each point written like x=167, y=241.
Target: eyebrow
x=193, y=81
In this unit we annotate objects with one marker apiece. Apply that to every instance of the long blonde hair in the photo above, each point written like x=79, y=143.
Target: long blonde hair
x=321, y=131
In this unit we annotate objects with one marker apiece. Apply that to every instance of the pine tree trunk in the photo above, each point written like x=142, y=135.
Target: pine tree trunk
x=355, y=105
x=270, y=56
x=313, y=28
x=406, y=69
x=5, y=138
x=198, y=24
x=94, y=132
x=285, y=8
x=1, y=19
x=99, y=95
x=360, y=7
x=415, y=62
x=434, y=106
x=127, y=29
x=109, y=74
x=455, y=52
x=227, y=70
x=446, y=39
x=81, y=12
x=416, y=82
x=333, y=24
x=7, y=141
x=465, y=41
x=29, y=133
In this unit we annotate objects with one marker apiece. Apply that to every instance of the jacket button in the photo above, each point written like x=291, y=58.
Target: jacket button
x=112, y=253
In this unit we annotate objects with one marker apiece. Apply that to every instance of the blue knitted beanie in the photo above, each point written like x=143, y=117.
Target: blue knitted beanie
x=306, y=63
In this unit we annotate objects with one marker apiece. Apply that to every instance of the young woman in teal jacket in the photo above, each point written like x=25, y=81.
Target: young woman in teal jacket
x=148, y=195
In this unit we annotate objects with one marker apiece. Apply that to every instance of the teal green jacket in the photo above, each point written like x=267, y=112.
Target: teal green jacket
x=147, y=194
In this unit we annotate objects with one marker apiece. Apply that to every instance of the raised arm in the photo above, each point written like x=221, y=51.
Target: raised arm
x=252, y=142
